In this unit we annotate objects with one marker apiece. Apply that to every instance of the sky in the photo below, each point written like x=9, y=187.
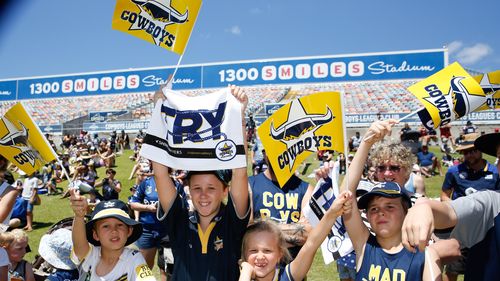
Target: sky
x=57, y=37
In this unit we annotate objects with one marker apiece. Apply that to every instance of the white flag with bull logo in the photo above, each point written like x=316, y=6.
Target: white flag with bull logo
x=196, y=133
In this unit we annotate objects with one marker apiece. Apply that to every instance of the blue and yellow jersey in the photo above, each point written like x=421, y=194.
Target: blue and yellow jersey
x=283, y=204
x=205, y=255
x=379, y=265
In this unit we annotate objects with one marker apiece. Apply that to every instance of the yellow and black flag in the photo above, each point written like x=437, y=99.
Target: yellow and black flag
x=448, y=95
x=303, y=126
x=22, y=142
x=165, y=23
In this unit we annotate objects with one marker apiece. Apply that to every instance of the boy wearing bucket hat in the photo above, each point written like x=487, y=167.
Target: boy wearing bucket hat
x=99, y=245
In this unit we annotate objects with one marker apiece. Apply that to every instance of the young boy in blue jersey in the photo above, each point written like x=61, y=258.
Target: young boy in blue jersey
x=206, y=243
x=382, y=256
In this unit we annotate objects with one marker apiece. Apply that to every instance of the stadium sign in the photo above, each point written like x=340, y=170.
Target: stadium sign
x=115, y=126
x=271, y=108
x=51, y=129
x=342, y=68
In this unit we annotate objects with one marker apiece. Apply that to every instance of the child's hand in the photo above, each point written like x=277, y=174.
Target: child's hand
x=246, y=270
x=324, y=172
x=78, y=203
x=241, y=96
x=340, y=202
x=159, y=93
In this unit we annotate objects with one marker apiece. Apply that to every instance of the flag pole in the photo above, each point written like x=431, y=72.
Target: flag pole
x=410, y=114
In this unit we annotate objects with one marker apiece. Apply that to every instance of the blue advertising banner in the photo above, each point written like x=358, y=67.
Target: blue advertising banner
x=108, y=83
x=270, y=108
x=103, y=116
x=357, y=67
x=51, y=129
x=8, y=90
x=116, y=126
x=380, y=66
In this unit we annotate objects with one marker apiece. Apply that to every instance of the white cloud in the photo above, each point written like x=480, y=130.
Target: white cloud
x=235, y=30
x=454, y=46
x=471, y=55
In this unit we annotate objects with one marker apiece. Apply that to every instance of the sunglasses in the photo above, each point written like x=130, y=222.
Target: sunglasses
x=392, y=168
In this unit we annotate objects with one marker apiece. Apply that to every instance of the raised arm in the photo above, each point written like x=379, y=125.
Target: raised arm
x=239, y=182
x=357, y=230
x=302, y=263
x=164, y=185
x=79, y=205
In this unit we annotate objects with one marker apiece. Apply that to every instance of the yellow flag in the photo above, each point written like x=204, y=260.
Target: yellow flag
x=449, y=94
x=21, y=141
x=165, y=23
x=490, y=82
x=303, y=126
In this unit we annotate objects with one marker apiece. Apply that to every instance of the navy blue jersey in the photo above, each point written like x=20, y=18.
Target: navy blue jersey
x=465, y=181
x=379, y=265
x=209, y=255
x=146, y=194
x=283, y=204
x=108, y=192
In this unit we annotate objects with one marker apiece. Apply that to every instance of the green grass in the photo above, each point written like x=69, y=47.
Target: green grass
x=53, y=209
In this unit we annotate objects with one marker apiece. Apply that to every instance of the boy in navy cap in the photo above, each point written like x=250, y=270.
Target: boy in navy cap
x=99, y=245
x=382, y=256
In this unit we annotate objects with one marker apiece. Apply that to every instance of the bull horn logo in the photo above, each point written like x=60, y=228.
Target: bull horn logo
x=460, y=97
x=291, y=130
x=162, y=12
x=14, y=137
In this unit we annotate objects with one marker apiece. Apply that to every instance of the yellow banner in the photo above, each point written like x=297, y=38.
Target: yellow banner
x=165, y=23
x=449, y=94
x=303, y=126
x=490, y=82
x=21, y=142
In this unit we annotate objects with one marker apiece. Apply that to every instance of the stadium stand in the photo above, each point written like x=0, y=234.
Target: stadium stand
x=360, y=97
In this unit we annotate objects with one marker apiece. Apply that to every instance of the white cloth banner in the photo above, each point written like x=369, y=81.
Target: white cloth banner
x=196, y=133
x=337, y=244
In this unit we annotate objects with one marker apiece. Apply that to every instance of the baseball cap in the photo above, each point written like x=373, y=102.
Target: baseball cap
x=223, y=175
x=384, y=189
x=488, y=143
x=113, y=209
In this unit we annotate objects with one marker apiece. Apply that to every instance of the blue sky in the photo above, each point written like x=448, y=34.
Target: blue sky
x=39, y=38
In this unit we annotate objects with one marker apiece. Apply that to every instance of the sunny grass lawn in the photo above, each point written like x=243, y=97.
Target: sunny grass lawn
x=53, y=209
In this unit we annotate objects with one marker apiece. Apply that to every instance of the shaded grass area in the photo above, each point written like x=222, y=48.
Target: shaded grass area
x=54, y=209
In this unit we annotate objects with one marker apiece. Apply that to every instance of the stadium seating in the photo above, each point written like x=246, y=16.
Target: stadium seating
x=360, y=98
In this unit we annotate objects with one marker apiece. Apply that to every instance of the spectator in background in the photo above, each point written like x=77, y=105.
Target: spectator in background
x=354, y=142
x=445, y=135
x=406, y=128
x=29, y=193
x=469, y=128
x=257, y=154
x=428, y=162
x=111, y=187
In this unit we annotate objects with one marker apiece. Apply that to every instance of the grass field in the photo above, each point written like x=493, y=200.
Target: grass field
x=53, y=209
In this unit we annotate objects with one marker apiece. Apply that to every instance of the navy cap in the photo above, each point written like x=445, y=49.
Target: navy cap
x=113, y=209
x=223, y=175
x=384, y=189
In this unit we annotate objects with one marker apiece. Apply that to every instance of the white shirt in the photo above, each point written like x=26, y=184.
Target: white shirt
x=131, y=264
x=29, y=186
